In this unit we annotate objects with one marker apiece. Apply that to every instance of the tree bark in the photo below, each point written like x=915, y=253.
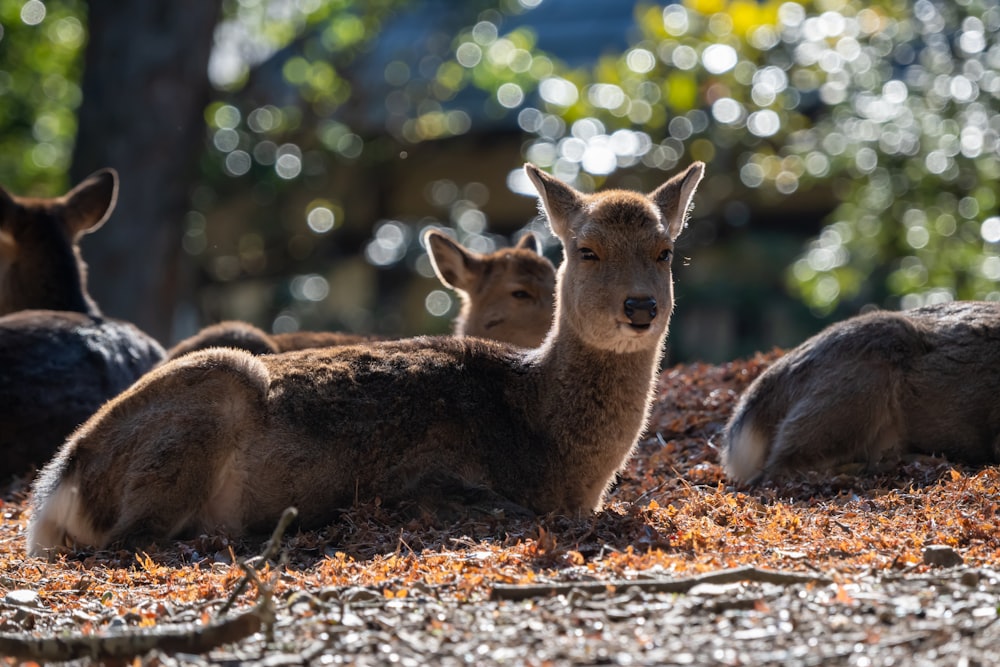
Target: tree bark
x=145, y=88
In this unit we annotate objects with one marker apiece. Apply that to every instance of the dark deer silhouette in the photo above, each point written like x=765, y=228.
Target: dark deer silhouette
x=60, y=359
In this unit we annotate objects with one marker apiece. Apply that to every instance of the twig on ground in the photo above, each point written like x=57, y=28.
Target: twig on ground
x=681, y=585
x=186, y=638
x=270, y=551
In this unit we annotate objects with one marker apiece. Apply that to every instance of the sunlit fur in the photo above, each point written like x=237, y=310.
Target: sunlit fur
x=221, y=440
x=60, y=358
x=872, y=389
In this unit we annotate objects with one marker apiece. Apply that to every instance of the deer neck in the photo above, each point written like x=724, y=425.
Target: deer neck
x=594, y=405
x=605, y=392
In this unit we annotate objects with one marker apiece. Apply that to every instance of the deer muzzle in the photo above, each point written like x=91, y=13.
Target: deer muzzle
x=640, y=311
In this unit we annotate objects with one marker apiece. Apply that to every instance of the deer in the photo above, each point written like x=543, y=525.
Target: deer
x=507, y=295
x=60, y=357
x=872, y=391
x=223, y=441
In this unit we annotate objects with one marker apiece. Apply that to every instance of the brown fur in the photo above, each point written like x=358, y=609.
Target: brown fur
x=506, y=296
x=872, y=389
x=244, y=336
x=60, y=359
x=224, y=440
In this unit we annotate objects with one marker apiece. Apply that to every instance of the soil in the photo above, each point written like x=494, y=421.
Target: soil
x=681, y=567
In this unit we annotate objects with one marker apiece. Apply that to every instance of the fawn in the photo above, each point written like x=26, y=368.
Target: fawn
x=506, y=295
x=873, y=389
x=60, y=359
x=222, y=440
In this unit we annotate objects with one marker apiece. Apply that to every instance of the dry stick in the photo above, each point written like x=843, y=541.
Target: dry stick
x=270, y=551
x=682, y=585
x=173, y=639
x=187, y=638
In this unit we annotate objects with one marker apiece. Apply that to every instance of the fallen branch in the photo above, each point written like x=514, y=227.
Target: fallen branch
x=681, y=585
x=186, y=638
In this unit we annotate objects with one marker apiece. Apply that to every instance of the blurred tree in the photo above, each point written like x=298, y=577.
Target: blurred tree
x=149, y=71
x=887, y=109
x=145, y=87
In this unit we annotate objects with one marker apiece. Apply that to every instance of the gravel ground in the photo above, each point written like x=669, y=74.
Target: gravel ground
x=948, y=618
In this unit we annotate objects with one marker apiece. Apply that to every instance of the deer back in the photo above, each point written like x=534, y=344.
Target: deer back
x=872, y=389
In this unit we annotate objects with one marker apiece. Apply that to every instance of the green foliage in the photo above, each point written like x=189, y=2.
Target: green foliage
x=912, y=120
x=41, y=47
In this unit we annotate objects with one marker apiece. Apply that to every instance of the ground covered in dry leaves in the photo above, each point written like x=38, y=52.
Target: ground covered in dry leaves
x=680, y=568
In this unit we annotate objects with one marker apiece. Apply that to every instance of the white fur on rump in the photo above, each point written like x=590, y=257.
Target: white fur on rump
x=744, y=458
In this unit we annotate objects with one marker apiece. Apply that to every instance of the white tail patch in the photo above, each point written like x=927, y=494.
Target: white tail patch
x=745, y=454
x=59, y=522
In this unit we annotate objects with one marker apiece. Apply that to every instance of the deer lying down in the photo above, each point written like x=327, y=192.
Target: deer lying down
x=221, y=440
x=60, y=359
x=872, y=389
x=506, y=296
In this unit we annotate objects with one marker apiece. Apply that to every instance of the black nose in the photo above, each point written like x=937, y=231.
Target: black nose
x=640, y=311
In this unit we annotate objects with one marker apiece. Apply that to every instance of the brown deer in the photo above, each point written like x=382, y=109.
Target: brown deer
x=222, y=440
x=873, y=389
x=60, y=359
x=506, y=296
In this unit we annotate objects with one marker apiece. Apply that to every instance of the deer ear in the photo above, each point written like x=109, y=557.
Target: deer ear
x=559, y=201
x=90, y=203
x=529, y=242
x=455, y=266
x=673, y=198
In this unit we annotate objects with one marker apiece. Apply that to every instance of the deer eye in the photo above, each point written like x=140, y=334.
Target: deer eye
x=665, y=255
x=520, y=294
x=588, y=255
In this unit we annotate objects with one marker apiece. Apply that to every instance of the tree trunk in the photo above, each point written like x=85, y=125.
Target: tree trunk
x=145, y=88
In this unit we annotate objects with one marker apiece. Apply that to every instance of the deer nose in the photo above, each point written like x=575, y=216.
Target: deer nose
x=640, y=311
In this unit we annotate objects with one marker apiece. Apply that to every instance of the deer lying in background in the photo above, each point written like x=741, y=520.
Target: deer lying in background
x=222, y=440
x=872, y=389
x=506, y=296
x=60, y=359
